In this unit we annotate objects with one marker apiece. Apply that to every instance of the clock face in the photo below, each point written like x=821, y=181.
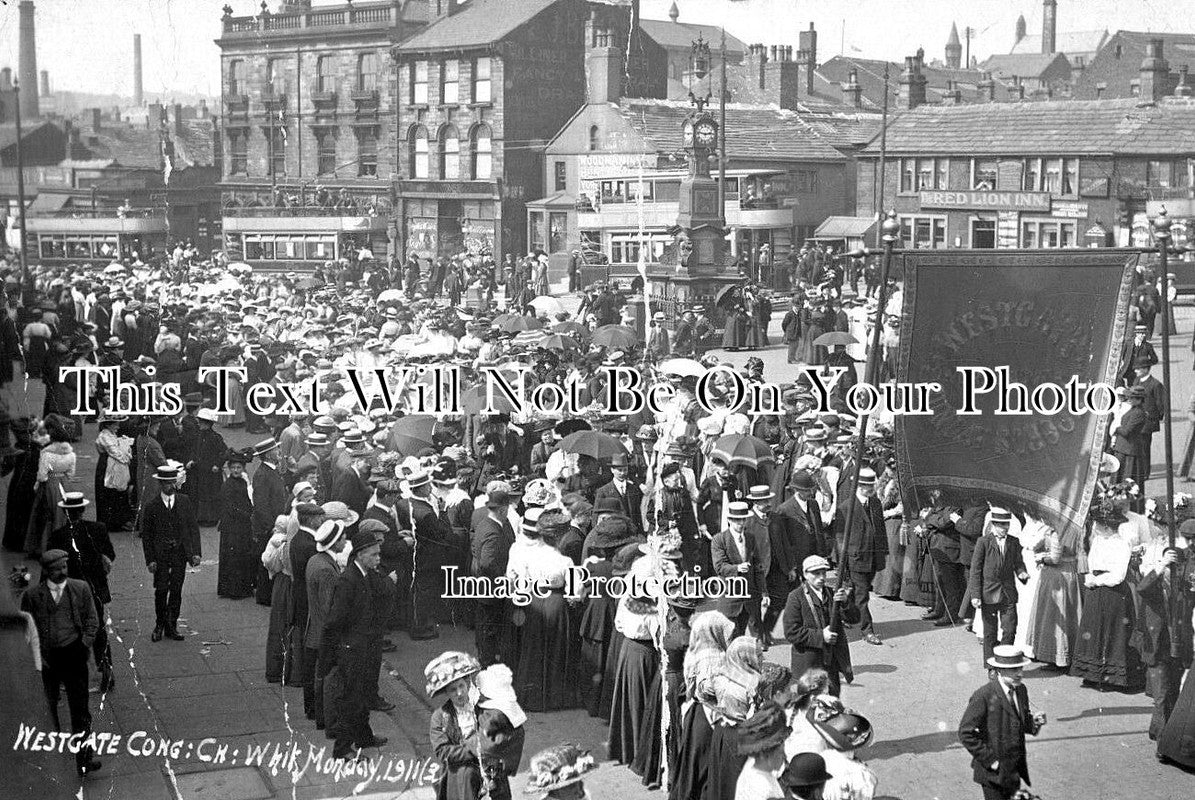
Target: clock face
x=706, y=133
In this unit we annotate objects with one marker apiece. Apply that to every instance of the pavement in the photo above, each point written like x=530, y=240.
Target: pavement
x=198, y=720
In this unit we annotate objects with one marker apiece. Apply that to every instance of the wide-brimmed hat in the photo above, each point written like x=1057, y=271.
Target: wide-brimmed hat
x=558, y=767
x=339, y=511
x=607, y=505
x=841, y=727
x=446, y=668
x=1000, y=516
x=240, y=457
x=73, y=500
x=1007, y=656
x=625, y=557
x=496, y=685
x=417, y=479
x=113, y=343
x=765, y=730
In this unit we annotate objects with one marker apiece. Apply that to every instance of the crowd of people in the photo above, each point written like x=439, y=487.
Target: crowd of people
x=351, y=514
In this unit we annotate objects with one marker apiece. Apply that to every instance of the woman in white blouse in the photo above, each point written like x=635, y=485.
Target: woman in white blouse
x=542, y=676
x=55, y=469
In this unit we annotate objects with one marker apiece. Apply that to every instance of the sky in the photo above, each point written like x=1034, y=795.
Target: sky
x=87, y=45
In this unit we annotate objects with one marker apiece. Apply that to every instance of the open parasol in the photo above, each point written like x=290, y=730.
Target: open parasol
x=474, y=400
x=834, y=339
x=412, y=434
x=685, y=367
x=615, y=337
x=592, y=443
x=741, y=449
x=574, y=329
x=547, y=305
x=515, y=324
x=390, y=296
x=557, y=342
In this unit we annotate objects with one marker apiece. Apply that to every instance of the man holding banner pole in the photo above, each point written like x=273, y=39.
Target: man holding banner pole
x=890, y=230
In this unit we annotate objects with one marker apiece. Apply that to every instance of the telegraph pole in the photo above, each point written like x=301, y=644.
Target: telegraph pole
x=722, y=130
x=16, y=95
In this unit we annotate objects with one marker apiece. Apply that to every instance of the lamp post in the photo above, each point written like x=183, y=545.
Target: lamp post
x=890, y=232
x=1161, y=228
x=699, y=64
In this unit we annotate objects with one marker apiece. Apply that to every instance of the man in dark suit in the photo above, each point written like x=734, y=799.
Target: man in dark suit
x=433, y=549
x=490, y=542
x=620, y=488
x=1154, y=405
x=348, y=632
x=543, y=450
x=170, y=541
x=323, y=573
x=863, y=548
x=91, y=555
x=945, y=544
x=734, y=556
x=817, y=639
x=349, y=484
x=397, y=544
x=1137, y=349
x=760, y=499
x=794, y=532
x=994, y=725
x=270, y=500
x=994, y=565
x=791, y=326
x=63, y=611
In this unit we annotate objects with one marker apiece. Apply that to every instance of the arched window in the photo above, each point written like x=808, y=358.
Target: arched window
x=594, y=137
x=236, y=77
x=450, y=153
x=483, y=153
x=325, y=75
x=367, y=71
x=419, y=155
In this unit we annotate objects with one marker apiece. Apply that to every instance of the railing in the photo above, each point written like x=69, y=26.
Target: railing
x=301, y=211
x=102, y=213
x=374, y=14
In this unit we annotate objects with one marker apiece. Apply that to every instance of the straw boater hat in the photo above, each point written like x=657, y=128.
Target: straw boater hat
x=73, y=500
x=738, y=510
x=329, y=533
x=208, y=415
x=265, y=446
x=1007, y=656
x=447, y=668
x=558, y=767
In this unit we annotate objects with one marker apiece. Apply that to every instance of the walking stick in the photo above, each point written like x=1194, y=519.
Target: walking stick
x=891, y=232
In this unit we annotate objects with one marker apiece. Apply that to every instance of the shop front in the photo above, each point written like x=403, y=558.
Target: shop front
x=987, y=220
x=447, y=218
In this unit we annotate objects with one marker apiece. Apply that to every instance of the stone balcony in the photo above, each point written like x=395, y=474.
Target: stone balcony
x=319, y=21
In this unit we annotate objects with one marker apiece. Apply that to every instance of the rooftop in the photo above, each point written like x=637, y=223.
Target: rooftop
x=477, y=24
x=764, y=132
x=681, y=35
x=1072, y=127
x=1021, y=65
x=140, y=147
x=1070, y=42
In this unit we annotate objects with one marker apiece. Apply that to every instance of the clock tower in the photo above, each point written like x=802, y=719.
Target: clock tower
x=700, y=222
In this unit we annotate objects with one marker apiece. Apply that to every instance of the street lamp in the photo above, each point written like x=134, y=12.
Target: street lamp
x=699, y=64
x=1161, y=229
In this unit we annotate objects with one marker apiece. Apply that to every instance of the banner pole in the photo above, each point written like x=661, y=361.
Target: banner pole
x=891, y=232
x=1161, y=226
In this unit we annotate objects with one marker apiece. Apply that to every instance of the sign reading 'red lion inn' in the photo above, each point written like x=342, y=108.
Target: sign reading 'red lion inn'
x=1006, y=201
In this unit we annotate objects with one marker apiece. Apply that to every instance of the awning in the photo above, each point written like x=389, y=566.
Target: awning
x=558, y=200
x=48, y=203
x=845, y=228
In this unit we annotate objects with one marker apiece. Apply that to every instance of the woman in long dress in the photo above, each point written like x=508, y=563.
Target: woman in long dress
x=453, y=732
x=736, y=693
x=113, y=466
x=1102, y=656
x=25, y=455
x=205, y=475
x=238, y=561
x=596, y=628
x=542, y=677
x=635, y=673
x=709, y=638
x=1054, y=618
x=887, y=581
x=55, y=469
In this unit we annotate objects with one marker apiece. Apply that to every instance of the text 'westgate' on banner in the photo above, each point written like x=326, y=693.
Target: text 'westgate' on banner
x=1050, y=317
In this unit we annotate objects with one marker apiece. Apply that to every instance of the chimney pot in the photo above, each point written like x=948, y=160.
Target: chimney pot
x=774, y=56
x=96, y=122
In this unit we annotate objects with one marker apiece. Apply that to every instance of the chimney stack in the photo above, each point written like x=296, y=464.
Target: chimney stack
x=203, y=108
x=1183, y=89
x=604, y=74
x=178, y=119
x=807, y=55
x=96, y=123
x=138, y=87
x=45, y=83
x=852, y=92
x=6, y=79
x=27, y=65
x=987, y=88
x=1049, y=26
x=1155, y=73
x=912, y=84
x=116, y=113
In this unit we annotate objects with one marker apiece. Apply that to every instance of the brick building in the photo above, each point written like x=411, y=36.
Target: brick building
x=479, y=94
x=1032, y=175
x=309, y=129
x=1135, y=64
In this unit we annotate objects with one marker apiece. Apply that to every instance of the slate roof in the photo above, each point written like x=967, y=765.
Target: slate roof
x=1022, y=65
x=1070, y=42
x=681, y=35
x=871, y=78
x=478, y=23
x=140, y=147
x=751, y=131
x=1071, y=127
